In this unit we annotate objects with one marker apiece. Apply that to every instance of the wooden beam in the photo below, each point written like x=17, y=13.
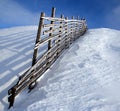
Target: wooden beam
x=51, y=28
x=38, y=38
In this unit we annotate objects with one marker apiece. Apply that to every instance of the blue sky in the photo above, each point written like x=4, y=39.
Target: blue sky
x=99, y=13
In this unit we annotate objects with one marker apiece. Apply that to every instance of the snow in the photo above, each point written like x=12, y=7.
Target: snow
x=86, y=77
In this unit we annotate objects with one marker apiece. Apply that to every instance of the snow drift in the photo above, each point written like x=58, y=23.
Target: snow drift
x=86, y=77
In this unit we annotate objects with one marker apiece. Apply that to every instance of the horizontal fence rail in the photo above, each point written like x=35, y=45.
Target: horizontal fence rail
x=55, y=35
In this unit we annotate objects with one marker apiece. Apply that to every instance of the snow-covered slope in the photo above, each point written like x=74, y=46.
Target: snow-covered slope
x=86, y=77
x=16, y=48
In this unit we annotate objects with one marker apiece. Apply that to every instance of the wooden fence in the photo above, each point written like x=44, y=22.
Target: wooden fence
x=55, y=34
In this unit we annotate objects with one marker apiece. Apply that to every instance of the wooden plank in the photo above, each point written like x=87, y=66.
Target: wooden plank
x=53, y=19
x=54, y=30
x=50, y=38
x=38, y=38
x=50, y=25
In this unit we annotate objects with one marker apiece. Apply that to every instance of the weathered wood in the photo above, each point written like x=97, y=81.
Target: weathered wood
x=51, y=28
x=38, y=38
x=54, y=30
x=53, y=19
x=50, y=37
x=71, y=28
x=52, y=25
x=59, y=34
x=67, y=42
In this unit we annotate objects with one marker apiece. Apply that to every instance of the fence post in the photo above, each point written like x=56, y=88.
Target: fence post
x=38, y=38
x=79, y=29
x=51, y=28
x=67, y=35
x=71, y=30
x=59, y=37
x=85, y=25
x=76, y=33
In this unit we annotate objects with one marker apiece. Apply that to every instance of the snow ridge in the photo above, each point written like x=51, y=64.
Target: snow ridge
x=85, y=77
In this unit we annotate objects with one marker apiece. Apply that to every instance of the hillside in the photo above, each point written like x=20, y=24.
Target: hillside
x=86, y=77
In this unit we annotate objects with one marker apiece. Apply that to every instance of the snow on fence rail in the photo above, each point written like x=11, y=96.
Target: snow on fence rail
x=58, y=35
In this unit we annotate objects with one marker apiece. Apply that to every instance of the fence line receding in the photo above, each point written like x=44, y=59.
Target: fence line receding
x=55, y=35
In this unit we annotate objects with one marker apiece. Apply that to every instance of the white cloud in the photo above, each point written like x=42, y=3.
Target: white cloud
x=13, y=13
x=113, y=17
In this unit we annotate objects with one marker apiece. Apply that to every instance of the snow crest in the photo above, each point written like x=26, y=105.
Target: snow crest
x=86, y=77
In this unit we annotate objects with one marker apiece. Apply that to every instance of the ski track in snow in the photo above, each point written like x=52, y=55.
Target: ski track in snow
x=86, y=77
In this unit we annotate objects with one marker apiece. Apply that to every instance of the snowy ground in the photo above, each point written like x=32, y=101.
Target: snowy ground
x=86, y=77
